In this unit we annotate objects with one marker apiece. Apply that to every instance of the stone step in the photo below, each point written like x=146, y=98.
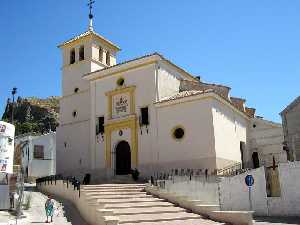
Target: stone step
x=111, y=220
x=137, y=218
x=116, y=205
x=202, y=221
x=131, y=200
x=113, y=189
x=147, y=210
x=119, y=196
x=99, y=193
x=115, y=186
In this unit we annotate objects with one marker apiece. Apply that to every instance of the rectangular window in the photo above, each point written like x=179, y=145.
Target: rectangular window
x=38, y=152
x=100, y=54
x=72, y=56
x=144, y=116
x=100, y=125
x=108, y=58
x=81, y=53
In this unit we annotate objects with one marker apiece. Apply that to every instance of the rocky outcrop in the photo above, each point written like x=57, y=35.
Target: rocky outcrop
x=33, y=114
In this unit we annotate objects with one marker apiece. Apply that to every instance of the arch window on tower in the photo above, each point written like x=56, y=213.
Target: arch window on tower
x=72, y=56
x=100, y=54
x=108, y=58
x=74, y=113
x=81, y=53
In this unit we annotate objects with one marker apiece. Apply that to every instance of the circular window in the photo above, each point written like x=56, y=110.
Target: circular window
x=120, y=81
x=254, y=125
x=178, y=133
x=76, y=90
x=74, y=113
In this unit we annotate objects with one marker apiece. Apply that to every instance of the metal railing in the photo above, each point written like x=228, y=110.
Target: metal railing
x=52, y=180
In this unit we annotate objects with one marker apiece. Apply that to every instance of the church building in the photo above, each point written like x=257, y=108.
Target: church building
x=146, y=113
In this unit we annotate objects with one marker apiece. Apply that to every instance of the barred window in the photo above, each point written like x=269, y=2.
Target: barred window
x=38, y=152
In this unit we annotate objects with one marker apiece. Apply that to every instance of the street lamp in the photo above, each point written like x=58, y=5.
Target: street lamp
x=13, y=92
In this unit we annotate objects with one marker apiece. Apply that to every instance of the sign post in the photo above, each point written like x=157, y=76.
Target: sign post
x=249, y=180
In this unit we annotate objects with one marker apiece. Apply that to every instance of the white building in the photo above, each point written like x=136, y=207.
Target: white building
x=38, y=155
x=146, y=113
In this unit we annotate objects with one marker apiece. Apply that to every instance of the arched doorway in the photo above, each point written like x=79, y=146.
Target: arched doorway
x=123, y=158
x=255, y=160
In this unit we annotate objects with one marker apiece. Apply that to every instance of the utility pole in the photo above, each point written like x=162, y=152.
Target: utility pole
x=13, y=92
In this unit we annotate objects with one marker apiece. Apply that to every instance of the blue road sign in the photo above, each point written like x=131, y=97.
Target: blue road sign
x=249, y=180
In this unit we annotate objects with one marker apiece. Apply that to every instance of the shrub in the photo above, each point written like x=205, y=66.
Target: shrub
x=135, y=174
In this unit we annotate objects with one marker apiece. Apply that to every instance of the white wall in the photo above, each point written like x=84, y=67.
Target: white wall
x=230, y=128
x=289, y=177
x=39, y=167
x=235, y=196
x=196, y=149
x=234, y=192
x=199, y=188
x=47, y=166
x=168, y=81
x=74, y=158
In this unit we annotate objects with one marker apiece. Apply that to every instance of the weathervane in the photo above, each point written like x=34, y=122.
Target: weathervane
x=90, y=5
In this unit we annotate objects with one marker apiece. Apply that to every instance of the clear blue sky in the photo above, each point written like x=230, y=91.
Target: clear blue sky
x=251, y=46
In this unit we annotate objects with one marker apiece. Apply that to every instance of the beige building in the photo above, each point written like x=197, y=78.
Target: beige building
x=265, y=143
x=146, y=113
x=291, y=127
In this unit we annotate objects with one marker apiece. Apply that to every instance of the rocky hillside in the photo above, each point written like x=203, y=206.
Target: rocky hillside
x=33, y=114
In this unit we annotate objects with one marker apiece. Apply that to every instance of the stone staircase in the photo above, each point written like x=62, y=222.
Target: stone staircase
x=129, y=204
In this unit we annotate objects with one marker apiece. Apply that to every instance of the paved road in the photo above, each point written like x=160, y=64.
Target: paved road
x=65, y=213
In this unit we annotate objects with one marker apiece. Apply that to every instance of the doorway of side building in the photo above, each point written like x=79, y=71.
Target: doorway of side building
x=123, y=158
x=255, y=160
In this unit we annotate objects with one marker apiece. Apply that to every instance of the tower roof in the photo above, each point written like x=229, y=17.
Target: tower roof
x=86, y=34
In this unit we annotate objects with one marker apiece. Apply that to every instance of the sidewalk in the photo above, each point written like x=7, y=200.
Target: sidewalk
x=5, y=216
x=65, y=213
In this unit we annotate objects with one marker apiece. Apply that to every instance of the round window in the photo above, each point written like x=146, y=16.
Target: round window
x=76, y=90
x=178, y=133
x=74, y=113
x=120, y=81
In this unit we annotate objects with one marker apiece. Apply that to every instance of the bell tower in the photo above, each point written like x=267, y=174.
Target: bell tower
x=82, y=54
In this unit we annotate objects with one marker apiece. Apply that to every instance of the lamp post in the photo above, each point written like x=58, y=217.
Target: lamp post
x=13, y=92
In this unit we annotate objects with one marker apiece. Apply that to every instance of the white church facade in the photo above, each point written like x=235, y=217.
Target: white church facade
x=146, y=113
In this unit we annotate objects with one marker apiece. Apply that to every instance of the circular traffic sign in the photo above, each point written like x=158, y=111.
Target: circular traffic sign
x=249, y=180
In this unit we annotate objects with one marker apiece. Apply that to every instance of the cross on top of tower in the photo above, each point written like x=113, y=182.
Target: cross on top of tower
x=90, y=5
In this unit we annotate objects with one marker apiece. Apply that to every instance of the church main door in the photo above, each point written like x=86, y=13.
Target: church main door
x=123, y=158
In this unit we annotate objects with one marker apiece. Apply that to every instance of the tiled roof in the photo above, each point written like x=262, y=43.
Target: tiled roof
x=87, y=33
x=186, y=85
x=184, y=94
x=250, y=112
x=238, y=103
